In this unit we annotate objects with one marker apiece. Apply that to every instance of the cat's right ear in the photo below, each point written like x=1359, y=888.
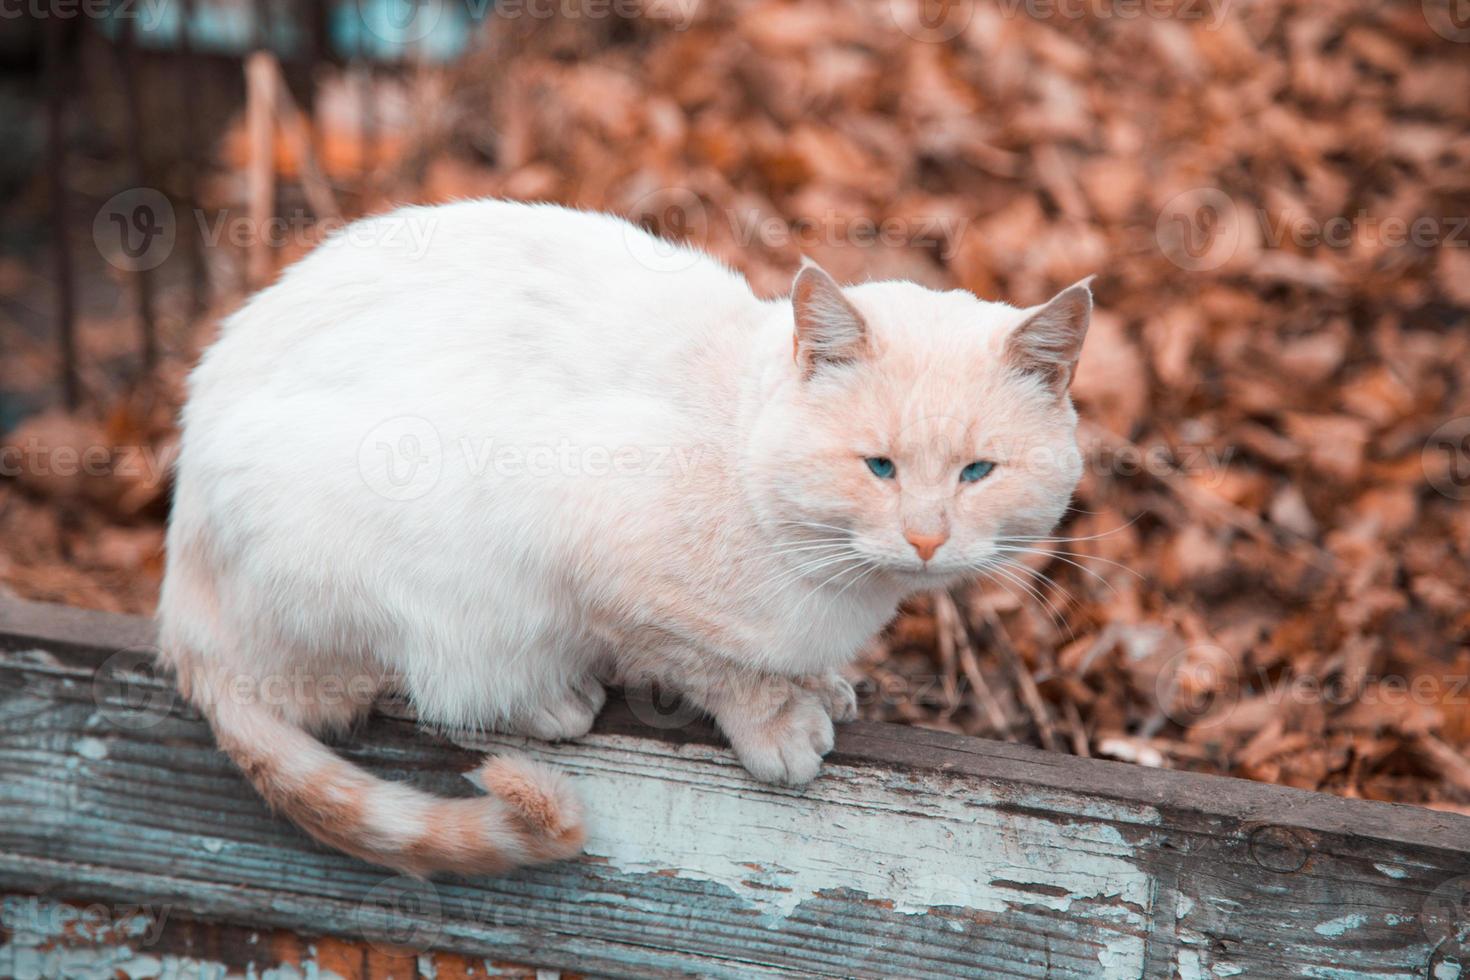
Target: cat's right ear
x=829, y=329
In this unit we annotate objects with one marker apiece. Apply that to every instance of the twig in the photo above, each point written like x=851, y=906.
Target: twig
x=1452, y=766
x=946, y=618
x=57, y=91
x=1030, y=693
x=984, y=697
x=133, y=101
x=1078, y=729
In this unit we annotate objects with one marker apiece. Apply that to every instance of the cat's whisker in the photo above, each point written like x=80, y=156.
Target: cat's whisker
x=786, y=547
x=825, y=582
x=830, y=527
x=1082, y=556
x=872, y=567
x=1064, y=540
x=1059, y=556
x=1041, y=576
x=805, y=569
x=1057, y=618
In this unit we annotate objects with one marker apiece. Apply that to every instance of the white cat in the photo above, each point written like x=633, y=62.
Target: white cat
x=492, y=455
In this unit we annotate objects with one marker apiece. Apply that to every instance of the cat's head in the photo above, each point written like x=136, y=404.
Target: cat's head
x=921, y=432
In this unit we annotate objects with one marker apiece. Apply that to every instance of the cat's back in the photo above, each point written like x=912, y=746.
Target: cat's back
x=505, y=290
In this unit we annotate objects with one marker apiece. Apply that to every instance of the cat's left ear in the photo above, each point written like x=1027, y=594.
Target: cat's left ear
x=1049, y=341
x=828, y=329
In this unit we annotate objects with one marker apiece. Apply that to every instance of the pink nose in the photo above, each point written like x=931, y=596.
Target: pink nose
x=926, y=544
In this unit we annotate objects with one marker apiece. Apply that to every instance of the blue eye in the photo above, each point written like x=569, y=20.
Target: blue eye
x=881, y=466
x=976, y=471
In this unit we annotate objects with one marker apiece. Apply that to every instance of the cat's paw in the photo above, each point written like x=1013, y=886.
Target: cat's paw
x=835, y=693
x=784, y=745
x=568, y=717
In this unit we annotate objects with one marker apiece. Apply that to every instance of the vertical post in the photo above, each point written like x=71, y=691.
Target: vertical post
x=56, y=91
x=198, y=273
x=132, y=96
x=318, y=14
x=260, y=176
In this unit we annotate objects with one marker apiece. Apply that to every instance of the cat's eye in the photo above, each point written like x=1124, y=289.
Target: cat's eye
x=976, y=471
x=881, y=466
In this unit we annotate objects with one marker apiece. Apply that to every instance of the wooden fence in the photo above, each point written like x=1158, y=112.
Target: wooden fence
x=916, y=853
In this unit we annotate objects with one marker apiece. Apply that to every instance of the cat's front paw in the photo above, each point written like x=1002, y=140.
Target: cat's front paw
x=783, y=744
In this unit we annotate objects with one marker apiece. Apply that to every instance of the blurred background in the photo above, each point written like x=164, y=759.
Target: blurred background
x=1265, y=572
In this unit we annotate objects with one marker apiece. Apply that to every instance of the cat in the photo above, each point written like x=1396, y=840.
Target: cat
x=494, y=456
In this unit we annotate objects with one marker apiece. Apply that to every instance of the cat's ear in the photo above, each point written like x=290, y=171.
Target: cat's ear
x=829, y=329
x=1049, y=341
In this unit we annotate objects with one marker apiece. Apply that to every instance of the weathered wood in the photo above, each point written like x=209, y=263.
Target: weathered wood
x=916, y=853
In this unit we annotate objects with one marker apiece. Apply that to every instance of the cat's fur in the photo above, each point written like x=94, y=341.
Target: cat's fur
x=743, y=554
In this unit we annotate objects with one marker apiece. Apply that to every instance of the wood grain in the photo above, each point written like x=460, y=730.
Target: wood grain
x=915, y=854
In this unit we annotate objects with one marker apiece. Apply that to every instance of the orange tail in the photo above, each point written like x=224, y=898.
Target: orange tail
x=530, y=815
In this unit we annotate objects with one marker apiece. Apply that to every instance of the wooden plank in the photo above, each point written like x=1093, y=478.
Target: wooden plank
x=915, y=854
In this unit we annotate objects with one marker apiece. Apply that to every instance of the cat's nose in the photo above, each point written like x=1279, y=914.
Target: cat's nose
x=926, y=544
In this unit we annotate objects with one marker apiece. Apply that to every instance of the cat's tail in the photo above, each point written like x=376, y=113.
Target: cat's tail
x=530, y=815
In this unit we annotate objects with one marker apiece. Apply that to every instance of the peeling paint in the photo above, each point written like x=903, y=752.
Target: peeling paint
x=920, y=834
x=91, y=748
x=1391, y=871
x=100, y=942
x=1343, y=924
